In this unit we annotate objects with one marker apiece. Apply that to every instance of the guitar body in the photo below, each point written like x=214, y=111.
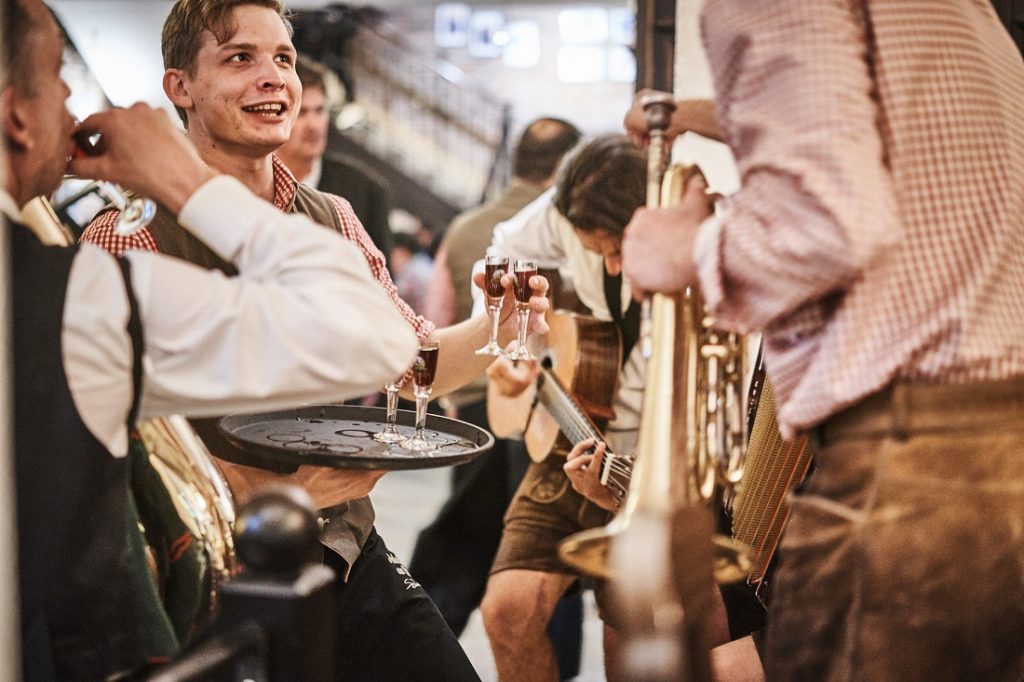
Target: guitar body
x=586, y=357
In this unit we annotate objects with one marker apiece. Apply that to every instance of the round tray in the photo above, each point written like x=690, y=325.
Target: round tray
x=341, y=436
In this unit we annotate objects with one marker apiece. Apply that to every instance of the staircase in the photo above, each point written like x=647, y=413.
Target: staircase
x=424, y=125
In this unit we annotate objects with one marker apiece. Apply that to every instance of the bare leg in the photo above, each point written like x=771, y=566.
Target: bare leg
x=737, y=661
x=516, y=610
x=612, y=655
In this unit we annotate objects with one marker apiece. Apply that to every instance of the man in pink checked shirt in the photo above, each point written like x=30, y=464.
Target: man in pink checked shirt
x=878, y=243
x=230, y=74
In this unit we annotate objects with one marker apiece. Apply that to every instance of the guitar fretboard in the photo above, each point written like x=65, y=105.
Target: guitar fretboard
x=570, y=416
x=576, y=426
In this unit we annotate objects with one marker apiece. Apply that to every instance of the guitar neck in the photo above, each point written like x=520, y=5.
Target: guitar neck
x=567, y=413
x=577, y=426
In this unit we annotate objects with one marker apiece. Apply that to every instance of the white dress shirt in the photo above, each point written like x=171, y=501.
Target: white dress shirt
x=313, y=179
x=304, y=320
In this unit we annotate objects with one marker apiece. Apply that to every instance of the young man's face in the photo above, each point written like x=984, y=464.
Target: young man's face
x=607, y=245
x=244, y=96
x=309, y=134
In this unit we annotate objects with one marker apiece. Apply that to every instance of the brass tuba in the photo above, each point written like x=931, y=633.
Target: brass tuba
x=191, y=495
x=662, y=607
x=707, y=418
x=689, y=441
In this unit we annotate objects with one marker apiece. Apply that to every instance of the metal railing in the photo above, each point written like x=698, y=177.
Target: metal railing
x=428, y=117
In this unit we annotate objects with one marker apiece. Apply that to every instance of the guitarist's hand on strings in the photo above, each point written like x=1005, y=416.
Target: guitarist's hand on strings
x=511, y=377
x=583, y=467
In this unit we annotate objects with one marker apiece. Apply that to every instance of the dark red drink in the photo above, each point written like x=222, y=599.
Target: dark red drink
x=87, y=144
x=522, y=284
x=425, y=366
x=493, y=272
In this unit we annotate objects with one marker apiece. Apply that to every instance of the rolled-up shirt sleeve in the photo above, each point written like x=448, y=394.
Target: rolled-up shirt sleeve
x=304, y=320
x=794, y=95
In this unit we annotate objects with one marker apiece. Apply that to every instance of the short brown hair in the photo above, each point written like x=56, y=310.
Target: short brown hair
x=540, y=148
x=183, y=30
x=601, y=184
x=313, y=74
x=20, y=40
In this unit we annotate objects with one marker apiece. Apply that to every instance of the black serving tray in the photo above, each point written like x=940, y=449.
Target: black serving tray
x=341, y=436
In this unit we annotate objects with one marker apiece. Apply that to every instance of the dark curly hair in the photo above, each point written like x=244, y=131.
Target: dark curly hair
x=601, y=184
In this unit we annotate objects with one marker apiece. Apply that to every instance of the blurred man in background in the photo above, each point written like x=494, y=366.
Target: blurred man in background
x=305, y=155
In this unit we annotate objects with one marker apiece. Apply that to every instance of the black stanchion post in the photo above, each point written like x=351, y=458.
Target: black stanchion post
x=283, y=586
x=275, y=621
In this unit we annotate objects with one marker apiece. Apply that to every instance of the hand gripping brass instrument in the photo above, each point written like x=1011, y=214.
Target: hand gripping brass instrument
x=187, y=494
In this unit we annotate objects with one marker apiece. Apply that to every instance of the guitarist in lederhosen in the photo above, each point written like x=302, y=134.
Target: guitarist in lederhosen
x=578, y=227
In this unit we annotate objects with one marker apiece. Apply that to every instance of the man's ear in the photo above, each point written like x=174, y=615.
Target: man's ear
x=176, y=87
x=13, y=112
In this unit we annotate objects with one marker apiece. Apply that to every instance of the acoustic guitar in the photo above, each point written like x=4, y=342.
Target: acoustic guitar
x=572, y=399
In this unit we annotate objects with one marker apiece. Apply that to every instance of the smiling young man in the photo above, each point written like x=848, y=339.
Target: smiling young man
x=230, y=74
x=97, y=340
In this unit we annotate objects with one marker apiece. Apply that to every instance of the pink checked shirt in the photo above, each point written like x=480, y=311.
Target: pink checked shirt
x=879, y=233
x=101, y=232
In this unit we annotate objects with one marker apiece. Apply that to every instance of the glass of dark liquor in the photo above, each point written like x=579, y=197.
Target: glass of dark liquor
x=390, y=433
x=522, y=270
x=495, y=268
x=134, y=212
x=423, y=370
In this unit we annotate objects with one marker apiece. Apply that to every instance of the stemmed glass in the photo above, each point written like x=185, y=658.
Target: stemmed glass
x=422, y=381
x=390, y=433
x=495, y=268
x=135, y=212
x=522, y=270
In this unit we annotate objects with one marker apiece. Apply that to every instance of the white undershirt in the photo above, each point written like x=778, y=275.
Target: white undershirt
x=304, y=321
x=313, y=179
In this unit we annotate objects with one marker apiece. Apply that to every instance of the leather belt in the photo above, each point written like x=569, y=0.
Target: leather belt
x=906, y=407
